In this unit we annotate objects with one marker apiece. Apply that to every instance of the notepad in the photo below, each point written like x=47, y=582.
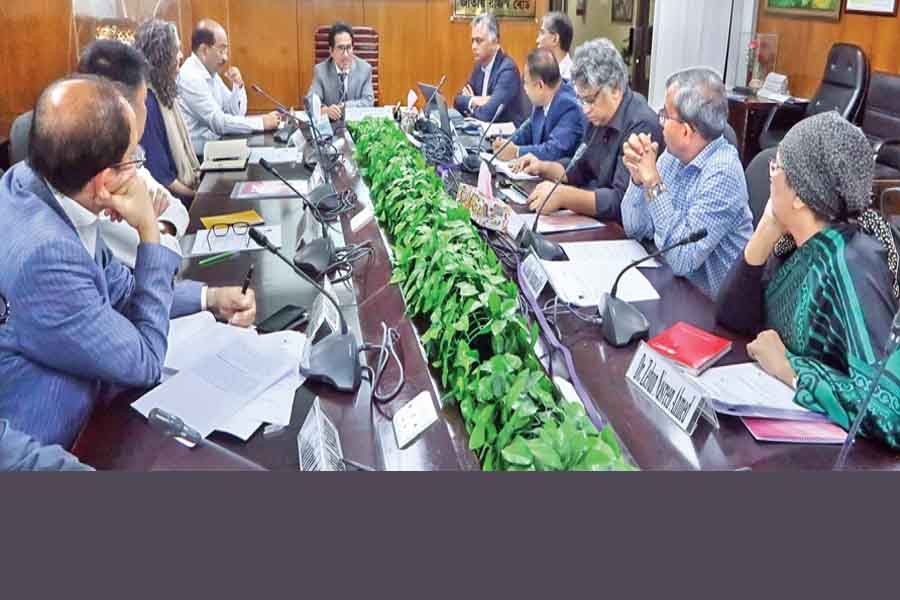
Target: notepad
x=225, y=155
x=251, y=217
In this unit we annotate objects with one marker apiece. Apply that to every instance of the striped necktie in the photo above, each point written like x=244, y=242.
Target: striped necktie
x=343, y=95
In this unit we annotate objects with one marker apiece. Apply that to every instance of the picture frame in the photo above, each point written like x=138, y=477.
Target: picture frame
x=883, y=8
x=829, y=10
x=622, y=11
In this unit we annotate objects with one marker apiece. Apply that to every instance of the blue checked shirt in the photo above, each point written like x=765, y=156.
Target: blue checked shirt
x=709, y=192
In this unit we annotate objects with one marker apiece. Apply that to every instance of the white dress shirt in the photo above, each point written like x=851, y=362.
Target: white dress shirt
x=209, y=108
x=487, y=75
x=86, y=223
x=565, y=67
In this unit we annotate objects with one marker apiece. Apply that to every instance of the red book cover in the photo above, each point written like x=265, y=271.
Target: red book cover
x=794, y=432
x=691, y=347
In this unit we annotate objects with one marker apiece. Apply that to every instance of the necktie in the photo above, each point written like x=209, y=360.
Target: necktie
x=343, y=95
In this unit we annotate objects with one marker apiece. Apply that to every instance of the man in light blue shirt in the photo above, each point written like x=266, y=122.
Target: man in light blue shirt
x=697, y=183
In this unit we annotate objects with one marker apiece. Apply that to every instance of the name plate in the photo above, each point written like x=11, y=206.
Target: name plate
x=671, y=389
x=489, y=213
x=503, y=9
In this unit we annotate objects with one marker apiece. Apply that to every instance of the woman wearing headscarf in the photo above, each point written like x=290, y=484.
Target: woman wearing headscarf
x=170, y=156
x=818, y=279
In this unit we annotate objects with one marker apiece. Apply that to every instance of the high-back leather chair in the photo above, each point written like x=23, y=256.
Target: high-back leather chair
x=757, y=174
x=843, y=88
x=365, y=46
x=19, y=138
x=881, y=124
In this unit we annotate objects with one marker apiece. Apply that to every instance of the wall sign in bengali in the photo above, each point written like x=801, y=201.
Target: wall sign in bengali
x=503, y=9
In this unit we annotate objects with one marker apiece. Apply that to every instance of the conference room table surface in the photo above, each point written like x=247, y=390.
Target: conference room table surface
x=117, y=437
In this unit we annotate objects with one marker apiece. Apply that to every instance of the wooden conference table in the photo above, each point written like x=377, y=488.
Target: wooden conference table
x=117, y=437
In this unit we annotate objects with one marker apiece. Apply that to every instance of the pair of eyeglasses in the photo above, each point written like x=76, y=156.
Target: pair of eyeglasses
x=137, y=160
x=221, y=230
x=344, y=49
x=4, y=309
x=664, y=116
x=588, y=101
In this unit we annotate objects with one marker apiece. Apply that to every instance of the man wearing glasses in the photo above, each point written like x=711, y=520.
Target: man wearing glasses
x=79, y=322
x=597, y=179
x=343, y=80
x=697, y=183
x=209, y=108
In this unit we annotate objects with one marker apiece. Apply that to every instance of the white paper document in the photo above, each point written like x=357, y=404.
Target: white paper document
x=560, y=221
x=583, y=283
x=358, y=113
x=748, y=391
x=618, y=252
x=206, y=242
x=274, y=155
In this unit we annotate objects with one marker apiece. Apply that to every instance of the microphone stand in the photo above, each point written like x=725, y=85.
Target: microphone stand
x=333, y=361
x=471, y=162
x=316, y=256
x=174, y=427
x=622, y=322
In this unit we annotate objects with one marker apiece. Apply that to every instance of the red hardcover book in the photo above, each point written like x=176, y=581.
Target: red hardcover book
x=794, y=432
x=690, y=347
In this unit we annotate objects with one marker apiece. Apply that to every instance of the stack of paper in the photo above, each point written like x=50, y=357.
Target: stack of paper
x=620, y=252
x=207, y=242
x=226, y=378
x=583, y=283
x=561, y=221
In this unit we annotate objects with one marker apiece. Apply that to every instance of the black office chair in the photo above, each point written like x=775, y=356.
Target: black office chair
x=843, y=89
x=19, y=138
x=881, y=124
x=757, y=175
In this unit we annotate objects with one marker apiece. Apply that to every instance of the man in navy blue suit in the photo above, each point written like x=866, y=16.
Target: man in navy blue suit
x=557, y=121
x=495, y=79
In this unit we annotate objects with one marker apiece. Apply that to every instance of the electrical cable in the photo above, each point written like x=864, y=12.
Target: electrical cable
x=386, y=350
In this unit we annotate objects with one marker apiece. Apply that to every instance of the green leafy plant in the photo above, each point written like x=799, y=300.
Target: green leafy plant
x=474, y=335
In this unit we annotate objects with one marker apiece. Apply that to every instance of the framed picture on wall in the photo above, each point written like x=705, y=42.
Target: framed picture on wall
x=623, y=11
x=813, y=9
x=886, y=8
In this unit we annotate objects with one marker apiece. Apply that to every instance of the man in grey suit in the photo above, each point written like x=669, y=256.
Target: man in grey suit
x=343, y=80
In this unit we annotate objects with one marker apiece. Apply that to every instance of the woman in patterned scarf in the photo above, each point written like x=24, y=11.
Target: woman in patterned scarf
x=818, y=279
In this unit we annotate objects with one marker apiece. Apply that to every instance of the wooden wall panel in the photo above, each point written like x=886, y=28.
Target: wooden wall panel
x=803, y=45
x=36, y=49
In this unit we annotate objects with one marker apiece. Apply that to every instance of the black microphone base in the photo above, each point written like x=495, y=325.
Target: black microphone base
x=325, y=199
x=335, y=362
x=544, y=248
x=315, y=257
x=471, y=163
x=622, y=322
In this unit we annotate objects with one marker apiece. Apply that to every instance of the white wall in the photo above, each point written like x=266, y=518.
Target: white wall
x=690, y=33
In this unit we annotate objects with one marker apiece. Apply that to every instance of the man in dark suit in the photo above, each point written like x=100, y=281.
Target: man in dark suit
x=495, y=79
x=557, y=121
x=343, y=79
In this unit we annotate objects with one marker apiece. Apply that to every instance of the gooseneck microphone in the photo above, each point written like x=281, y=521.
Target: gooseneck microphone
x=892, y=344
x=315, y=257
x=435, y=92
x=172, y=426
x=509, y=140
x=622, y=322
x=472, y=162
x=262, y=92
x=333, y=361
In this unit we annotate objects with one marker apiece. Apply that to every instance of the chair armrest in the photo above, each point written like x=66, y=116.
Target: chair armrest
x=879, y=144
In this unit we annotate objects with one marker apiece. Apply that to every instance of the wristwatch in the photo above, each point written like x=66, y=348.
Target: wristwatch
x=656, y=190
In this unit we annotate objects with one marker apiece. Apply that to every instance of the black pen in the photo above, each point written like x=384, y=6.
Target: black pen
x=247, y=280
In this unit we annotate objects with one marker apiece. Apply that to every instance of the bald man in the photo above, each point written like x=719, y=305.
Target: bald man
x=79, y=320
x=210, y=109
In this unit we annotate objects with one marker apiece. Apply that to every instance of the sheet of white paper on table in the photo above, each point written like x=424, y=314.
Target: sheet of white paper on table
x=583, y=283
x=358, y=113
x=505, y=169
x=618, y=252
x=206, y=243
x=274, y=155
x=561, y=221
x=745, y=389
x=193, y=336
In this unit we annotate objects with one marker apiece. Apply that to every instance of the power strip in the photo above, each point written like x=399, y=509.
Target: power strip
x=415, y=417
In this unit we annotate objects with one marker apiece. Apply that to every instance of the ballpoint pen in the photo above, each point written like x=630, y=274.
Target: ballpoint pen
x=247, y=280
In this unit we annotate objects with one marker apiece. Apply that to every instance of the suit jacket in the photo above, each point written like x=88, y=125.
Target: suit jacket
x=556, y=134
x=504, y=87
x=327, y=85
x=76, y=322
x=20, y=452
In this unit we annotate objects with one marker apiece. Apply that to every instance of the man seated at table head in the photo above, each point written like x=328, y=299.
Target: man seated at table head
x=125, y=66
x=495, y=79
x=557, y=122
x=697, y=183
x=556, y=35
x=79, y=320
x=210, y=109
x=596, y=179
x=343, y=79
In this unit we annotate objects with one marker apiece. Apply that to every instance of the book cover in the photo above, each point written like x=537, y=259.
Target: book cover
x=251, y=217
x=690, y=347
x=794, y=432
